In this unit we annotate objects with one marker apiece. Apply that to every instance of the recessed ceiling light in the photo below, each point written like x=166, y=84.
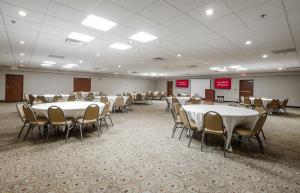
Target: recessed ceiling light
x=145, y=74
x=80, y=37
x=47, y=65
x=242, y=69
x=143, y=37
x=22, y=42
x=48, y=62
x=22, y=54
x=66, y=66
x=72, y=65
x=215, y=68
x=21, y=61
x=178, y=55
x=162, y=74
x=248, y=42
x=236, y=66
x=98, y=23
x=119, y=66
x=80, y=61
x=98, y=54
x=116, y=73
x=120, y=46
x=130, y=42
x=222, y=70
x=209, y=12
x=22, y=13
x=264, y=55
x=280, y=68
x=153, y=74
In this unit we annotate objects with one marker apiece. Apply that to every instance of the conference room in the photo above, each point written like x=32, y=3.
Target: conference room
x=149, y=96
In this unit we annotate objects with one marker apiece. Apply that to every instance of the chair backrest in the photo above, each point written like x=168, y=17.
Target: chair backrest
x=36, y=101
x=213, y=121
x=177, y=107
x=129, y=100
x=78, y=95
x=184, y=118
x=29, y=114
x=31, y=98
x=174, y=100
x=105, y=109
x=247, y=101
x=56, y=97
x=42, y=98
x=103, y=99
x=193, y=100
x=179, y=94
x=91, y=112
x=258, y=102
x=274, y=103
x=261, y=110
x=119, y=101
x=71, y=98
x=21, y=111
x=284, y=102
x=56, y=115
x=139, y=97
x=259, y=124
x=175, y=116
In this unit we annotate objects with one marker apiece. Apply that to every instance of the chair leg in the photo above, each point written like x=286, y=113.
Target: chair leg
x=98, y=128
x=262, y=132
x=206, y=139
x=203, y=135
x=105, y=123
x=67, y=135
x=174, y=130
x=248, y=144
x=21, y=130
x=224, y=146
x=112, y=124
x=260, y=143
x=181, y=133
x=80, y=128
x=29, y=128
x=193, y=132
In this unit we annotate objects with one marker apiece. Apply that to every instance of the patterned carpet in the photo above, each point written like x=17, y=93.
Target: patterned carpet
x=139, y=155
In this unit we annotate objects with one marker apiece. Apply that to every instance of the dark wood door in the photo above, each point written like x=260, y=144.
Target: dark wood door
x=169, y=88
x=246, y=88
x=82, y=84
x=13, y=88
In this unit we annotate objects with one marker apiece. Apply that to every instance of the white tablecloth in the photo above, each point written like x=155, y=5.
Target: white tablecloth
x=49, y=97
x=182, y=100
x=232, y=116
x=134, y=95
x=111, y=98
x=71, y=109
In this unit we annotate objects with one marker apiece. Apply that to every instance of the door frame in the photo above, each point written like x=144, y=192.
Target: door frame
x=240, y=86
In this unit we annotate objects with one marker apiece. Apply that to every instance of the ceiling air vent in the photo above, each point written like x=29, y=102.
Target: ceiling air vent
x=159, y=59
x=134, y=72
x=293, y=68
x=56, y=56
x=284, y=51
x=192, y=66
x=74, y=42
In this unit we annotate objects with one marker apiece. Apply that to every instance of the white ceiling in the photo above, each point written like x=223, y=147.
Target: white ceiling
x=182, y=27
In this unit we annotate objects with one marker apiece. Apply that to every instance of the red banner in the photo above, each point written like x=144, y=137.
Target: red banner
x=182, y=83
x=223, y=83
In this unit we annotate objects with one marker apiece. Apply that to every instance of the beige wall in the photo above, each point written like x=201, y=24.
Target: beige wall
x=45, y=82
x=275, y=86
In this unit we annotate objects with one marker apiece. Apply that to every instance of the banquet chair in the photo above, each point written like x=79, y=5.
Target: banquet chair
x=89, y=97
x=175, y=99
x=129, y=103
x=168, y=105
x=187, y=124
x=248, y=133
x=147, y=98
x=78, y=96
x=103, y=99
x=26, y=99
x=152, y=97
x=177, y=120
x=220, y=99
x=283, y=105
x=258, y=102
x=56, y=97
x=213, y=125
x=41, y=98
x=179, y=95
x=31, y=99
x=57, y=118
x=273, y=105
x=193, y=100
x=104, y=115
x=90, y=118
x=33, y=121
x=163, y=95
x=71, y=98
x=120, y=104
x=247, y=102
x=22, y=116
x=261, y=110
x=139, y=98
x=37, y=101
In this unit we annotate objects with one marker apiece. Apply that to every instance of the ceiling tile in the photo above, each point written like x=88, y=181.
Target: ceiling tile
x=181, y=22
x=34, y=5
x=133, y=5
x=188, y=5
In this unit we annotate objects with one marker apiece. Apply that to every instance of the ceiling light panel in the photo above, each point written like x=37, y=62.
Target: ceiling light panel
x=80, y=37
x=98, y=23
x=143, y=37
x=120, y=46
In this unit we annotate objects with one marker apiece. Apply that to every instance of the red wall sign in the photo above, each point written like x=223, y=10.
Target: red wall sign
x=182, y=83
x=223, y=83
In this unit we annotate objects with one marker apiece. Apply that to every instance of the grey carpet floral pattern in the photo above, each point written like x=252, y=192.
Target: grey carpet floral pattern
x=138, y=155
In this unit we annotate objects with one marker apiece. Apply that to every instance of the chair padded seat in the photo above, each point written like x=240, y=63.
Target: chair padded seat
x=42, y=121
x=193, y=124
x=86, y=121
x=242, y=131
x=69, y=122
x=214, y=132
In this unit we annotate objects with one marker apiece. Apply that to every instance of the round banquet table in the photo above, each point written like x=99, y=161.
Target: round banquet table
x=71, y=109
x=232, y=117
x=264, y=100
x=49, y=97
x=182, y=100
x=134, y=95
x=111, y=98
